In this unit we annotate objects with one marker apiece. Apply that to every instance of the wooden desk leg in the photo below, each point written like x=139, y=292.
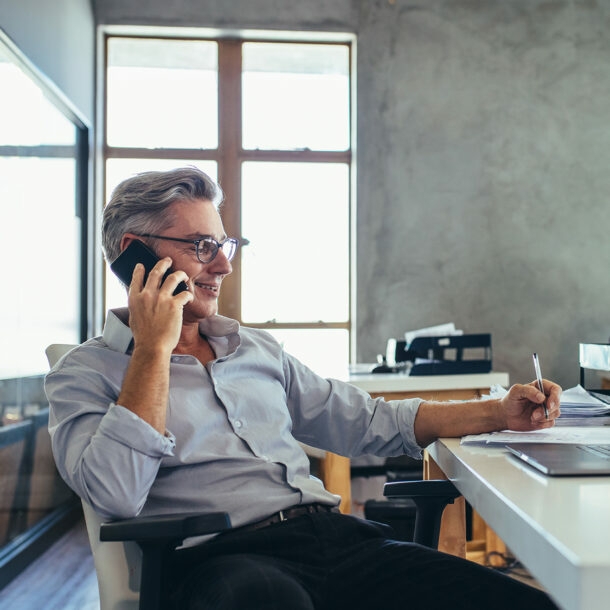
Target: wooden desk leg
x=336, y=476
x=452, y=538
x=485, y=547
x=494, y=544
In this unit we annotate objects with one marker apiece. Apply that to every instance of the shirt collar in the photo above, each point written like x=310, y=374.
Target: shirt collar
x=118, y=336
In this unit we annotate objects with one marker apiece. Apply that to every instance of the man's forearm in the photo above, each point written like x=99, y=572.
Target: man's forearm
x=145, y=389
x=437, y=419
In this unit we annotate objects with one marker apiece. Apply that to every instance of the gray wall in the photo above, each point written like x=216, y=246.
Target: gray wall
x=483, y=136
x=58, y=37
x=484, y=139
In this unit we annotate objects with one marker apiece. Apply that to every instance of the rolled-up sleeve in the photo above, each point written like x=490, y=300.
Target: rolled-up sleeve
x=107, y=454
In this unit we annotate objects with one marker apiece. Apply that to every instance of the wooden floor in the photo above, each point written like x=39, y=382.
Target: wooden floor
x=63, y=578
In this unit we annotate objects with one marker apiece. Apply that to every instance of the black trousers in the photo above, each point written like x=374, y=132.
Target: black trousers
x=330, y=561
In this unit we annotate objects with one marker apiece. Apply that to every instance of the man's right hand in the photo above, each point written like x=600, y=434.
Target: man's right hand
x=155, y=313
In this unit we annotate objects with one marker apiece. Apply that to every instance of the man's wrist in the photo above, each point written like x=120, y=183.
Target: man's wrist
x=498, y=414
x=151, y=352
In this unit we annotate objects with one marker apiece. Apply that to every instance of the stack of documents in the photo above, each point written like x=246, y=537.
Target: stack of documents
x=577, y=402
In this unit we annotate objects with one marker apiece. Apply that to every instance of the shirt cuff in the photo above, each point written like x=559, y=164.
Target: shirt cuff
x=125, y=427
x=407, y=412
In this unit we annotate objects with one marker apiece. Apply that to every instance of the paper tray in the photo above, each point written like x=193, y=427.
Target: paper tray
x=450, y=355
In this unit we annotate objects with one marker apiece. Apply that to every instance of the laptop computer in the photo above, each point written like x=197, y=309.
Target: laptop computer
x=562, y=459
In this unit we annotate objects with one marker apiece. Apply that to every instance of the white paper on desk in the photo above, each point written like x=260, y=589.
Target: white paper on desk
x=441, y=330
x=579, y=396
x=496, y=391
x=565, y=434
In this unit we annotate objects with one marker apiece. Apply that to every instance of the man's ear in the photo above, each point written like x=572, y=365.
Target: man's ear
x=127, y=239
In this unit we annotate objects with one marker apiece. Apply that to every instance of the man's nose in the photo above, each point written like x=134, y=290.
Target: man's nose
x=221, y=264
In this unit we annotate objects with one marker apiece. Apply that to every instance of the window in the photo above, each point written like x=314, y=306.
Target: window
x=271, y=121
x=43, y=243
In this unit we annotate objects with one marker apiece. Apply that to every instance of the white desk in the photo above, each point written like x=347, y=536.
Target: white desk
x=558, y=528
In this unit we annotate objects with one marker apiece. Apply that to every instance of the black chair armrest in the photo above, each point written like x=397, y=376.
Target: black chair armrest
x=156, y=536
x=165, y=528
x=421, y=489
x=430, y=497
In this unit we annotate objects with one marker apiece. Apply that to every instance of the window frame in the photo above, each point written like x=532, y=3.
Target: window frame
x=229, y=155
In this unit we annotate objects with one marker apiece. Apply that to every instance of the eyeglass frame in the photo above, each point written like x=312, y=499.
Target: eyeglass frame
x=219, y=244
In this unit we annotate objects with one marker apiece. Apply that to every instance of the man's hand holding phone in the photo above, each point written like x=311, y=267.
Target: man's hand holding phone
x=155, y=313
x=157, y=296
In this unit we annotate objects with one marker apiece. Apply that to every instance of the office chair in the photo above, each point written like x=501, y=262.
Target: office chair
x=430, y=498
x=129, y=554
x=369, y=477
x=413, y=507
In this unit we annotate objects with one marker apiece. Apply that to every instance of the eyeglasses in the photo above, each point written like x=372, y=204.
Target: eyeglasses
x=206, y=247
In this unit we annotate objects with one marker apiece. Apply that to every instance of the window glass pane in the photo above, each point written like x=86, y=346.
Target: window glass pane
x=45, y=308
x=37, y=144
x=162, y=93
x=296, y=217
x=325, y=351
x=42, y=254
x=27, y=117
x=295, y=96
x=116, y=171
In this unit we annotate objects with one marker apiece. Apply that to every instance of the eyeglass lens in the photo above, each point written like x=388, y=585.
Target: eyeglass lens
x=208, y=248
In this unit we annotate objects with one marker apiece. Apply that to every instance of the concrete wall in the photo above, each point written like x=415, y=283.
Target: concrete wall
x=58, y=37
x=483, y=140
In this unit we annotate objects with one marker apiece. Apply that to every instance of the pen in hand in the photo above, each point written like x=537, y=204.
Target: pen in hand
x=539, y=382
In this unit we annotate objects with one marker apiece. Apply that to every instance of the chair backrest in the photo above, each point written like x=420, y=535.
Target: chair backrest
x=117, y=564
x=118, y=567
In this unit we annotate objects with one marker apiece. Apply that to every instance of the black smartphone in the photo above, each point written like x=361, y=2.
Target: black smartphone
x=138, y=252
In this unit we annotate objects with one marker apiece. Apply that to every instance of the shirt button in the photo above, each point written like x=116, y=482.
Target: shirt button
x=237, y=423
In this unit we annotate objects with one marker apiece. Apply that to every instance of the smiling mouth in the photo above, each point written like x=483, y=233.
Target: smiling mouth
x=210, y=287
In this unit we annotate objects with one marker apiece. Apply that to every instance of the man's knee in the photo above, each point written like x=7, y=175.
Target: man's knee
x=242, y=582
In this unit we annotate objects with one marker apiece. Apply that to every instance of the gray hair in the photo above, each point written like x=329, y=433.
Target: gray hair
x=140, y=204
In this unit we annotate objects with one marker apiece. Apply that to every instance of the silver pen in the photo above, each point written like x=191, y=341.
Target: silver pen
x=539, y=382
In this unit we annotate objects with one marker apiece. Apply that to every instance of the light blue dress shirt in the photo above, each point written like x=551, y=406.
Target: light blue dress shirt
x=232, y=427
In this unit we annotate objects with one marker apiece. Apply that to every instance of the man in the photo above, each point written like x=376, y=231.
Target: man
x=175, y=408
